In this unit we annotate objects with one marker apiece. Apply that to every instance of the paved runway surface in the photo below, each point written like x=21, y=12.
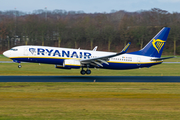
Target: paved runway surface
x=89, y=78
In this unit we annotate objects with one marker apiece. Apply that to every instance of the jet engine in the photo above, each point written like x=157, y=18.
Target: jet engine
x=68, y=64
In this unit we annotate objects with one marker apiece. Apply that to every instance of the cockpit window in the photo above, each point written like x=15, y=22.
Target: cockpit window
x=14, y=49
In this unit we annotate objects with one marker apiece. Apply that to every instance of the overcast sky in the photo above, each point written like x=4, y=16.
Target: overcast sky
x=90, y=6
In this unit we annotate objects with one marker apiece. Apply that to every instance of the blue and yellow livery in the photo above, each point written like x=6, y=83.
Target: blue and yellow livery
x=65, y=58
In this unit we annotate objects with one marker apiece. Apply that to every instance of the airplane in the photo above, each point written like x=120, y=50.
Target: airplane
x=65, y=58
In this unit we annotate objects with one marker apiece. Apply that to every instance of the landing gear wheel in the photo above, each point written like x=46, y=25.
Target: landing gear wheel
x=83, y=72
x=19, y=66
x=88, y=71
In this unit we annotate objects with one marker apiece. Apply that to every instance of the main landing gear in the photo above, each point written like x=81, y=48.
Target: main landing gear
x=83, y=72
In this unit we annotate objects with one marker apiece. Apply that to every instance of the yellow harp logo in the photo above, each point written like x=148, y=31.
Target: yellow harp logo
x=158, y=44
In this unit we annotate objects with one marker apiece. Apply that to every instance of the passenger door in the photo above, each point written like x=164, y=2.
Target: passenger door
x=138, y=61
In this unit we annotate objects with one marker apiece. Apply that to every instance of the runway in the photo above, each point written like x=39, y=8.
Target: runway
x=89, y=78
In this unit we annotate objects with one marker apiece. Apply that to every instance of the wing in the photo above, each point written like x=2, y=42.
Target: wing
x=98, y=61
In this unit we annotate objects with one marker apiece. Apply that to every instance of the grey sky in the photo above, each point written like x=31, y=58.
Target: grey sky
x=90, y=6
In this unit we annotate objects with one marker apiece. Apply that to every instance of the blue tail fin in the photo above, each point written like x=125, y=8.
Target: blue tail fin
x=155, y=47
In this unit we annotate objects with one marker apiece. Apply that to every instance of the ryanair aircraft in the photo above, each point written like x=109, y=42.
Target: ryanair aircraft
x=65, y=58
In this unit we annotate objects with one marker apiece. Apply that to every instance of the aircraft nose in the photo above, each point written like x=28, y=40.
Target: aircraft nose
x=6, y=53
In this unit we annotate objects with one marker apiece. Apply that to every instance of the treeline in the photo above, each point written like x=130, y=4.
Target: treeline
x=108, y=31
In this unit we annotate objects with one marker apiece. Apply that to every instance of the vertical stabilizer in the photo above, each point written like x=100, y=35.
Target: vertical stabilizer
x=155, y=47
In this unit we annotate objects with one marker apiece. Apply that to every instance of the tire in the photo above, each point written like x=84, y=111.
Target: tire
x=19, y=66
x=83, y=72
x=88, y=72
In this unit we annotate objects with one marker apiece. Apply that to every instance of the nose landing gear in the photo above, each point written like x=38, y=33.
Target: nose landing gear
x=19, y=66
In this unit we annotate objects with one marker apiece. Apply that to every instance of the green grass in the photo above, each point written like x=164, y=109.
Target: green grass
x=89, y=101
x=44, y=69
x=3, y=58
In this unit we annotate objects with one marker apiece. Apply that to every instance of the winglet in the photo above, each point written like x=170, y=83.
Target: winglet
x=95, y=48
x=126, y=48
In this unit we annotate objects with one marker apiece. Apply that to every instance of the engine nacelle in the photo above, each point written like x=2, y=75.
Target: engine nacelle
x=68, y=64
x=61, y=67
x=72, y=64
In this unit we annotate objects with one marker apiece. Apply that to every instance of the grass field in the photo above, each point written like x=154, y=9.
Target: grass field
x=89, y=101
x=44, y=69
x=3, y=58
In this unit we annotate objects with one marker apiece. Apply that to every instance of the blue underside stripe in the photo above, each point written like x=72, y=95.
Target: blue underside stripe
x=112, y=65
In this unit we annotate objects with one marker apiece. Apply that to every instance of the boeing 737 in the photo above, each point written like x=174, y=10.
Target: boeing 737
x=65, y=58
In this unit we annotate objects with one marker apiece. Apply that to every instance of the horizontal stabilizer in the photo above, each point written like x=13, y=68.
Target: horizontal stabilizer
x=157, y=59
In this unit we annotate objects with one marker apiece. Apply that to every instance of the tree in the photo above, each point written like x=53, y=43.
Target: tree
x=3, y=34
x=125, y=27
x=91, y=31
x=77, y=34
x=175, y=27
x=61, y=29
x=109, y=35
x=139, y=34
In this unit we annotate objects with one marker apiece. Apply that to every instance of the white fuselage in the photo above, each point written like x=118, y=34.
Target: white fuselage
x=55, y=55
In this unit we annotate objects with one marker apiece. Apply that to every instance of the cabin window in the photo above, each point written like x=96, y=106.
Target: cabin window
x=14, y=49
